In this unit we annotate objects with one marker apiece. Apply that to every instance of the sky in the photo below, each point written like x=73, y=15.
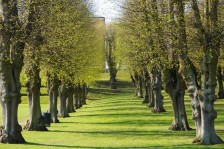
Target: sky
x=110, y=9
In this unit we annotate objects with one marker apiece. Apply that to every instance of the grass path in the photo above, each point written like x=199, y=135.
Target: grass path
x=114, y=119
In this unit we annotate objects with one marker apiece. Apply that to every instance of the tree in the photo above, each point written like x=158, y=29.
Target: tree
x=52, y=86
x=72, y=54
x=32, y=65
x=143, y=48
x=111, y=59
x=203, y=97
x=174, y=83
x=14, y=32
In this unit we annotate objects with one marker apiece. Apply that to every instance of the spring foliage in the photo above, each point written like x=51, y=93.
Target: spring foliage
x=72, y=46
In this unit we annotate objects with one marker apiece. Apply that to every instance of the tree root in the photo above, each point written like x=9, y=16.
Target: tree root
x=6, y=138
x=178, y=127
x=39, y=127
x=145, y=101
x=212, y=141
x=159, y=110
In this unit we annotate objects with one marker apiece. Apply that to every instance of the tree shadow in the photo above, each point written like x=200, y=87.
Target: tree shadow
x=132, y=133
x=106, y=84
x=90, y=147
x=124, y=115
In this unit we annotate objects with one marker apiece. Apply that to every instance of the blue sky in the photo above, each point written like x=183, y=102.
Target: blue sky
x=110, y=9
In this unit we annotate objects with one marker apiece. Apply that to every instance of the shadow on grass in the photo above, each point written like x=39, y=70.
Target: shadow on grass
x=192, y=146
x=124, y=115
x=106, y=84
x=119, y=133
x=91, y=147
x=137, y=123
x=103, y=88
x=105, y=91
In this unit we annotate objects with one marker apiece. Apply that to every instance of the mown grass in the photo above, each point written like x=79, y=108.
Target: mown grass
x=114, y=119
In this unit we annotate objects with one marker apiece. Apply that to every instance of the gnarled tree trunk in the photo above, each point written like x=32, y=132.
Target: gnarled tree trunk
x=202, y=98
x=10, y=131
x=175, y=87
x=11, y=63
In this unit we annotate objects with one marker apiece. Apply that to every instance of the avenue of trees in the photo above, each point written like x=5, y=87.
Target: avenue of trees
x=176, y=44
x=58, y=38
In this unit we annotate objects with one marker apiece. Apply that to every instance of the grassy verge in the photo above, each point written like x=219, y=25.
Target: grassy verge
x=114, y=119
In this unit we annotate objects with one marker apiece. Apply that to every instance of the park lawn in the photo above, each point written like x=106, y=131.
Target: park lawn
x=114, y=119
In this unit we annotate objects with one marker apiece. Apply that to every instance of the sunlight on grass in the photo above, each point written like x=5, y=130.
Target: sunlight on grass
x=114, y=119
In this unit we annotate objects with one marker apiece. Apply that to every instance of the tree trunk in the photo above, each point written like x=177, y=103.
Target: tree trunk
x=11, y=63
x=113, y=79
x=76, y=96
x=138, y=83
x=151, y=94
x=206, y=100
x=202, y=98
x=110, y=45
x=69, y=103
x=175, y=87
x=134, y=84
x=157, y=87
x=10, y=131
x=79, y=96
x=11, y=52
x=53, y=85
x=147, y=87
x=220, y=83
x=63, y=95
x=36, y=121
x=84, y=93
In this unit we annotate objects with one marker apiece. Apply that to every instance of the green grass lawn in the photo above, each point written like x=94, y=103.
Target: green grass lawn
x=114, y=119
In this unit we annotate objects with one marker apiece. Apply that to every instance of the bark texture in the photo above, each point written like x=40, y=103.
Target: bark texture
x=157, y=88
x=36, y=121
x=63, y=96
x=203, y=97
x=220, y=83
x=11, y=63
x=175, y=87
x=69, y=104
x=53, y=84
x=32, y=66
